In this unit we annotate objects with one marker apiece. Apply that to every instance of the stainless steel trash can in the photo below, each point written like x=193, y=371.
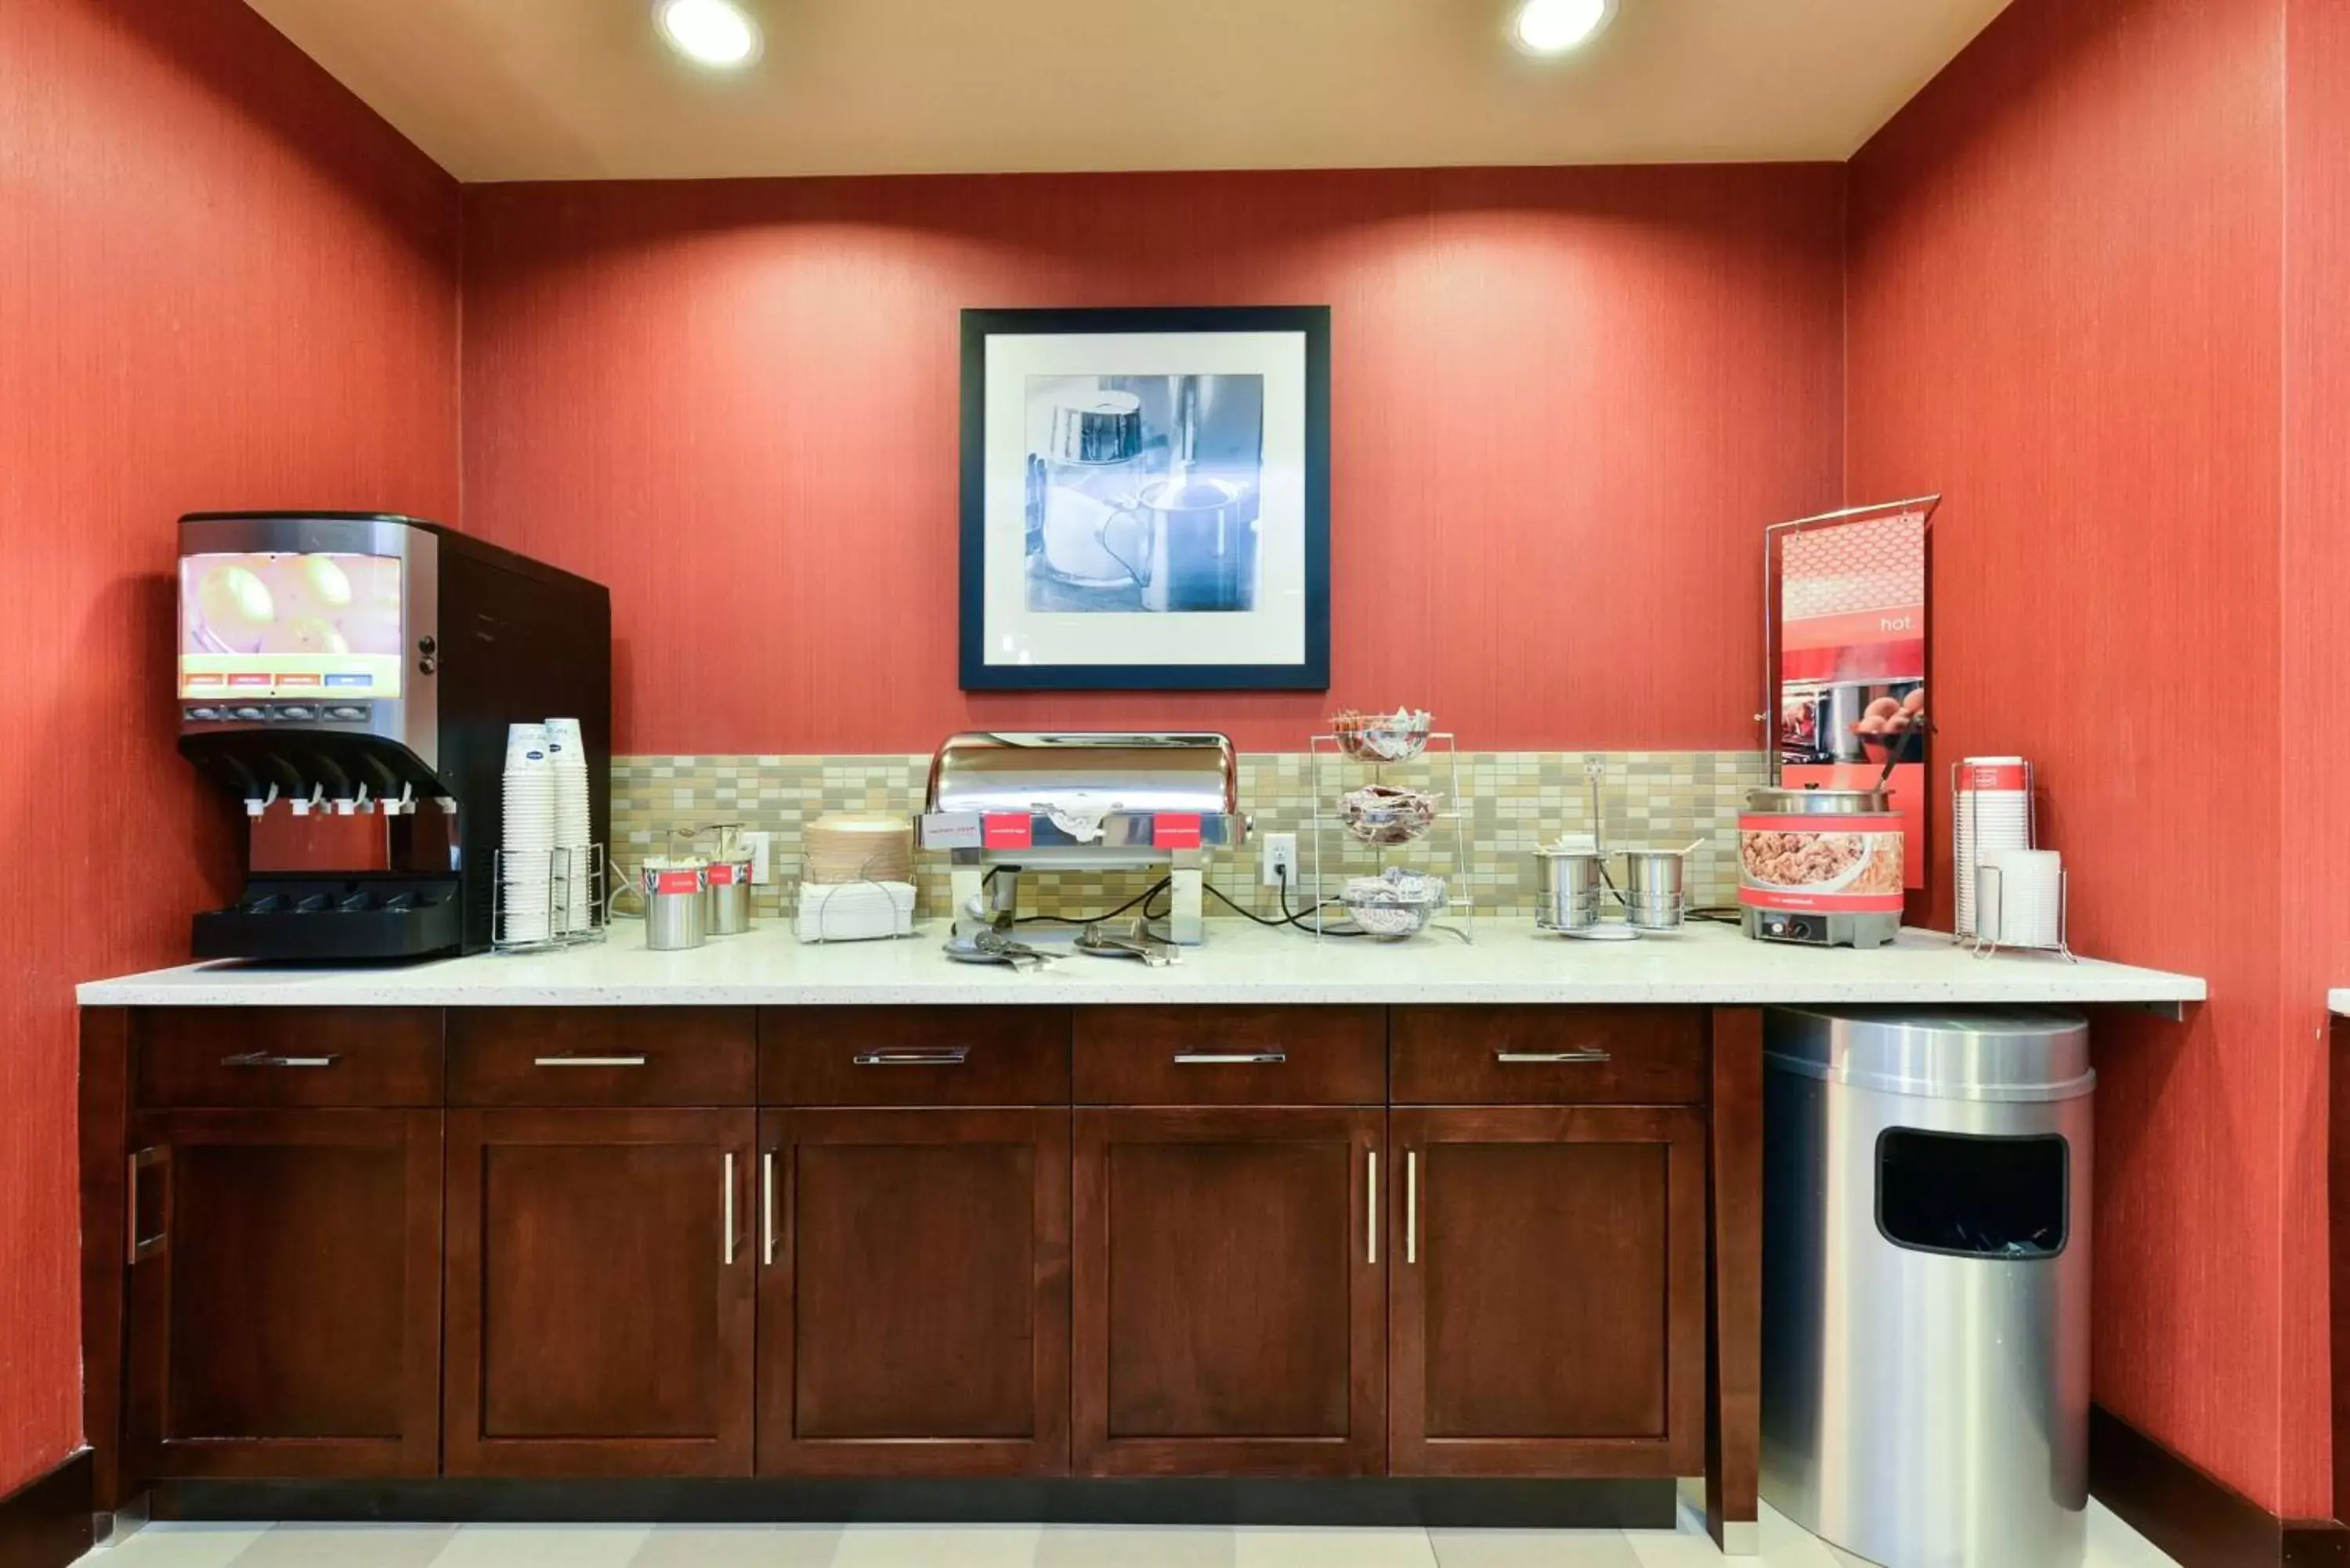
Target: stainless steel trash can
x=1926, y=1282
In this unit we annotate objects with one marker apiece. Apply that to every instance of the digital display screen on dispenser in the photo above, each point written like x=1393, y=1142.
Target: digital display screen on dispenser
x=290, y=626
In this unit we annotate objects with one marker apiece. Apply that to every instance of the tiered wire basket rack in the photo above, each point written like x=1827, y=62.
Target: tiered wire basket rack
x=1441, y=850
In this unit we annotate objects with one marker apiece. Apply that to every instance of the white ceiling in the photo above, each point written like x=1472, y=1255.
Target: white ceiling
x=583, y=90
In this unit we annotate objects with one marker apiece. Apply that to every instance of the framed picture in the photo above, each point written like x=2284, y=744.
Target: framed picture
x=1146, y=499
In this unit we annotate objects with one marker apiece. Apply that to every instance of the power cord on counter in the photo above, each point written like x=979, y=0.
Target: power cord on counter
x=1289, y=918
x=1297, y=918
x=1142, y=899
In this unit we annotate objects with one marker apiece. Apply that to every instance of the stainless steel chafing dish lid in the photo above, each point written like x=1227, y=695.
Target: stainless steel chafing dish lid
x=1013, y=772
x=1110, y=790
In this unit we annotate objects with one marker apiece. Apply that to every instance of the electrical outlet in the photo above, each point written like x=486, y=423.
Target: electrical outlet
x=763, y=865
x=1280, y=858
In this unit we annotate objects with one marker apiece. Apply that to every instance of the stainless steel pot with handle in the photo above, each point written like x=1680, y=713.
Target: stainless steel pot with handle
x=1653, y=895
x=1574, y=883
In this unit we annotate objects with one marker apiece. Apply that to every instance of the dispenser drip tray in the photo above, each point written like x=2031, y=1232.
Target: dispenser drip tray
x=335, y=919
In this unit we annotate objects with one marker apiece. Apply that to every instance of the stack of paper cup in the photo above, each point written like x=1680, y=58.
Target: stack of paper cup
x=1993, y=814
x=2024, y=898
x=573, y=833
x=526, y=838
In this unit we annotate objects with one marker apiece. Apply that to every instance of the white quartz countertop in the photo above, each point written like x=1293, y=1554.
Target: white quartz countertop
x=1510, y=961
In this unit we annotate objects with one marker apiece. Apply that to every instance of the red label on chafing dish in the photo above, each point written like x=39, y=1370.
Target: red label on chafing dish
x=1007, y=832
x=1175, y=830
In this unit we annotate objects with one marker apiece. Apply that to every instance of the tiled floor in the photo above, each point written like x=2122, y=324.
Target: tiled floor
x=2112, y=1544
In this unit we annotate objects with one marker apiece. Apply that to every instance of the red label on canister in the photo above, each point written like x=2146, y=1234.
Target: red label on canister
x=1007, y=831
x=1989, y=774
x=727, y=873
x=1175, y=830
x=676, y=881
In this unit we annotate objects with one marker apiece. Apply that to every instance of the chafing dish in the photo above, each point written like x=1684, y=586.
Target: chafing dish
x=1014, y=803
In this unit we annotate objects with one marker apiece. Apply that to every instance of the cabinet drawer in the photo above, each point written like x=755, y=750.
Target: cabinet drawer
x=1230, y=1056
x=288, y=1056
x=1550, y=1055
x=601, y=1056
x=914, y=1056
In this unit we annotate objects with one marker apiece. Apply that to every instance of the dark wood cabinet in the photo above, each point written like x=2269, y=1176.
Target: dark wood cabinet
x=914, y=1295
x=959, y=1242
x=1548, y=1310
x=600, y=1292
x=580, y=1056
x=283, y=1300
x=289, y=1057
x=1230, y=1056
x=1229, y=1274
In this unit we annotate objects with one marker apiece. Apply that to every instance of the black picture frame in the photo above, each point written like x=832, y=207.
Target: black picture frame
x=1312, y=672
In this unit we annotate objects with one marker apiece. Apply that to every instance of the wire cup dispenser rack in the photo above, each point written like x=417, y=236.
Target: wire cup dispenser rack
x=1457, y=913
x=575, y=911
x=1989, y=882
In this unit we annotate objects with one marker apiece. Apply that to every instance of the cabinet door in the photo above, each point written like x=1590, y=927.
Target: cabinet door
x=1229, y=1293
x=914, y=1297
x=1548, y=1307
x=600, y=1292
x=285, y=1295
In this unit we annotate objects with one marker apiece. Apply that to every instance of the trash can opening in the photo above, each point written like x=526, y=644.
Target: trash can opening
x=1972, y=1197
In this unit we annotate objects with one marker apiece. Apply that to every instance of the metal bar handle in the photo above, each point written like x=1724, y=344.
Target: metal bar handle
x=1371, y=1203
x=726, y=1254
x=1230, y=1058
x=952, y=1056
x=137, y=1249
x=767, y=1209
x=1586, y=1056
x=588, y=1061
x=1411, y=1205
x=267, y=1059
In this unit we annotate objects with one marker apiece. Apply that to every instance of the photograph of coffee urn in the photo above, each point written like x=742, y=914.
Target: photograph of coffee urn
x=1142, y=492
x=1146, y=499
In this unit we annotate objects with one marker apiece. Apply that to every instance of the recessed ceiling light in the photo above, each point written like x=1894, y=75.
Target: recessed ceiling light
x=1555, y=26
x=708, y=32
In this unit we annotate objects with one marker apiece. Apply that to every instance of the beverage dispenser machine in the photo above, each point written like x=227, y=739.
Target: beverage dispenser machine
x=348, y=678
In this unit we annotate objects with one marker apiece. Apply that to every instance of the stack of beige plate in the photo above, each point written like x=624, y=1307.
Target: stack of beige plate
x=847, y=846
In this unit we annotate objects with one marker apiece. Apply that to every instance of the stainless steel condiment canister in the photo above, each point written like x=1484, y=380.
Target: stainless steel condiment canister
x=730, y=895
x=677, y=903
x=1573, y=883
x=1653, y=895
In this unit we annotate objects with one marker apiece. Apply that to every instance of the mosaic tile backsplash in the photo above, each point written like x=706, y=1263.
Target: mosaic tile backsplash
x=1510, y=802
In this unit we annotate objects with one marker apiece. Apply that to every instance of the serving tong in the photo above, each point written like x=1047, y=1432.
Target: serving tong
x=989, y=945
x=1137, y=942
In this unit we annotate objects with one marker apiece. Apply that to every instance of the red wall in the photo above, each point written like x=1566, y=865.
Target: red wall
x=2316, y=567
x=222, y=283
x=1567, y=401
x=2066, y=312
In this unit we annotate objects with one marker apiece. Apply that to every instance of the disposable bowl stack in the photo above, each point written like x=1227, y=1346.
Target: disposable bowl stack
x=849, y=846
x=574, y=835
x=527, y=837
x=1993, y=815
